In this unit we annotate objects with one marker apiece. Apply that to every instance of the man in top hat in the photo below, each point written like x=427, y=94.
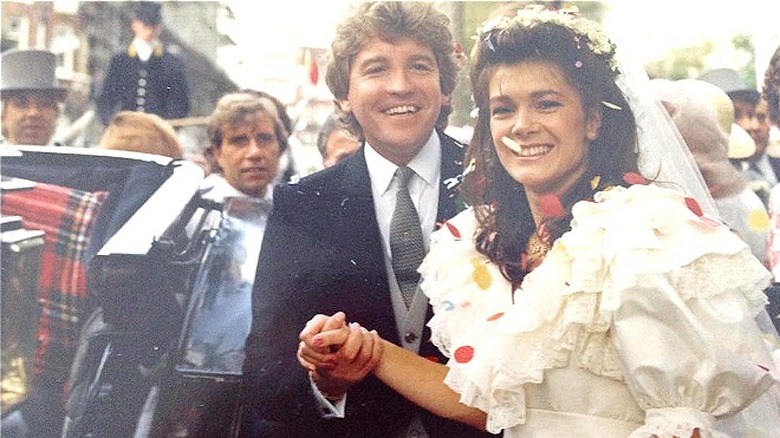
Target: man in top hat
x=146, y=77
x=751, y=113
x=30, y=95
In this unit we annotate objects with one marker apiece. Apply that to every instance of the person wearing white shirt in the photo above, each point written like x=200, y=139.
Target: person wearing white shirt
x=247, y=140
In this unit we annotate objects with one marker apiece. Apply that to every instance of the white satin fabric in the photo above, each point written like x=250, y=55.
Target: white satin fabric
x=640, y=322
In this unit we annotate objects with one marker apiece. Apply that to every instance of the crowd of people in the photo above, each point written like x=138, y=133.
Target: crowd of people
x=597, y=260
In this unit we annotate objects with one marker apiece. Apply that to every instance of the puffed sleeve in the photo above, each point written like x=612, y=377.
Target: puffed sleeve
x=687, y=362
x=641, y=290
x=683, y=292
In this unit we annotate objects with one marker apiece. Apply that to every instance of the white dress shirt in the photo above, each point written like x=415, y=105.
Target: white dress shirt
x=423, y=188
x=144, y=49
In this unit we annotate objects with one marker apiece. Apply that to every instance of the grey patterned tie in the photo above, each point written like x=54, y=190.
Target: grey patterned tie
x=406, y=240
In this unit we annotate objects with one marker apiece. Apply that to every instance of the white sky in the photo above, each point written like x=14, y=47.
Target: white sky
x=654, y=27
x=305, y=23
x=650, y=27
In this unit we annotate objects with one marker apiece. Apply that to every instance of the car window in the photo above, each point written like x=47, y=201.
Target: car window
x=220, y=315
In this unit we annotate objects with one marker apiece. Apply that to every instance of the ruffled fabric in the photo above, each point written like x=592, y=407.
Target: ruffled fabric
x=498, y=340
x=676, y=423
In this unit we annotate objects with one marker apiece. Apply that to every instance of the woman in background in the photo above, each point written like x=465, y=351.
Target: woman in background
x=141, y=132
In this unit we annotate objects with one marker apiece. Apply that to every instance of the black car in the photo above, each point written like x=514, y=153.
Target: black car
x=166, y=307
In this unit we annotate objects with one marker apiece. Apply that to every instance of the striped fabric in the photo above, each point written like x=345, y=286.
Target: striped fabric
x=66, y=216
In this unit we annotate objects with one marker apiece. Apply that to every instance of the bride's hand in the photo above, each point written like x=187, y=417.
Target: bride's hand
x=338, y=355
x=322, y=336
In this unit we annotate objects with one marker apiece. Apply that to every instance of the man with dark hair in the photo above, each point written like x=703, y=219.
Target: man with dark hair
x=31, y=96
x=146, y=77
x=330, y=243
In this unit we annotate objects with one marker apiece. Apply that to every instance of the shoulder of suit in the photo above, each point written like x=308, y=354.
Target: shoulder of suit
x=446, y=139
x=120, y=57
x=312, y=184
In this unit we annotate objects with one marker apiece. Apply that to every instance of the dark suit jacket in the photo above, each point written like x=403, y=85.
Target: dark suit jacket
x=166, y=92
x=322, y=252
x=775, y=162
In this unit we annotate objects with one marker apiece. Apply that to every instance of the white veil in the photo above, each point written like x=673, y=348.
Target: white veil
x=663, y=155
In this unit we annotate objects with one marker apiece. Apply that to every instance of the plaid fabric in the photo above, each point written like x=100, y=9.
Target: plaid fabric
x=66, y=216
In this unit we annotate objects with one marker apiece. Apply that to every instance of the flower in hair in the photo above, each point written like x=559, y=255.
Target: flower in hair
x=568, y=17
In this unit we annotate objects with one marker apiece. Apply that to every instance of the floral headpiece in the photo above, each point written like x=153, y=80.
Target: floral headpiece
x=568, y=17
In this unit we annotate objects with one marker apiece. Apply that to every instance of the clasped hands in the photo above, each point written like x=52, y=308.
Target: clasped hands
x=337, y=354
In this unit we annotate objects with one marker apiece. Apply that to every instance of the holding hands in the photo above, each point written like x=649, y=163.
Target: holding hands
x=337, y=355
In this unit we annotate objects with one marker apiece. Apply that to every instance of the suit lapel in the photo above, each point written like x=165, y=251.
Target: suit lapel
x=356, y=180
x=775, y=163
x=359, y=220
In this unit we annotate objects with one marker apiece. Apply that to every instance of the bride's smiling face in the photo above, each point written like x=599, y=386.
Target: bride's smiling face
x=539, y=126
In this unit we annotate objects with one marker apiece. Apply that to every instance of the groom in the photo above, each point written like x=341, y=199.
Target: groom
x=327, y=247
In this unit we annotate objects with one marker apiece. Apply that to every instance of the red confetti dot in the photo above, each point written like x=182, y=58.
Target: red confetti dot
x=453, y=230
x=634, y=178
x=496, y=316
x=551, y=206
x=464, y=354
x=694, y=206
x=433, y=359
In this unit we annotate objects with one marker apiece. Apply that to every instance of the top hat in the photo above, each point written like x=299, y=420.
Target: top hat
x=30, y=70
x=148, y=13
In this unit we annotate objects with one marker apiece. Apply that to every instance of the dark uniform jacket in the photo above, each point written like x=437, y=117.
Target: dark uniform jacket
x=157, y=86
x=322, y=252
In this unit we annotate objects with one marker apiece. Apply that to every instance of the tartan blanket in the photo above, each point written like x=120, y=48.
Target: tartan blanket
x=66, y=216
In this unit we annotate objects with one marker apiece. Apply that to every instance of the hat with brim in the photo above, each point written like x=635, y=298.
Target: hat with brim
x=741, y=144
x=728, y=80
x=704, y=117
x=30, y=71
